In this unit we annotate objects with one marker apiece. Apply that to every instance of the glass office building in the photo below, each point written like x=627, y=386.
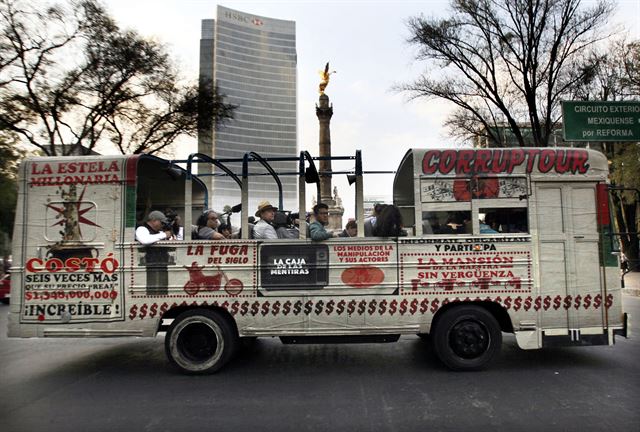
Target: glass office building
x=252, y=60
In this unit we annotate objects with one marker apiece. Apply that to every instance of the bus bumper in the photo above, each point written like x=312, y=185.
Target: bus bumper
x=625, y=330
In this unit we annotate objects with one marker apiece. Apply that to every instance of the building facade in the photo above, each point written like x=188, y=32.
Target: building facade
x=252, y=61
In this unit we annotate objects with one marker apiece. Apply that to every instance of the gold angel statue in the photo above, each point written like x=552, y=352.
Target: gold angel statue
x=325, y=78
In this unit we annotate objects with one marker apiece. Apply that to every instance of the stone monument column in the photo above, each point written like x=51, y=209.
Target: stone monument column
x=324, y=111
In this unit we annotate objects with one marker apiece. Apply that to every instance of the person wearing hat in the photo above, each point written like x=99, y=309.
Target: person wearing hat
x=151, y=231
x=263, y=229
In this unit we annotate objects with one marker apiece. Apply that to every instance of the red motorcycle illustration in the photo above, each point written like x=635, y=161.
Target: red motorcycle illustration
x=198, y=281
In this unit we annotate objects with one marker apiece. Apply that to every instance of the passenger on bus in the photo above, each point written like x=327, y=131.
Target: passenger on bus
x=350, y=229
x=487, y=226
x=207, y=226
x=225, y=230
x=491, y=219
x=426, y=227
x=285, y=226
x=154, y=229
x=389, y=223
x=264, y=228
x=370, y=222
x=457, y=223
x=316, y=228
x=251, y=223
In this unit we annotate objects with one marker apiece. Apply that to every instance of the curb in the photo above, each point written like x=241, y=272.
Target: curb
x=631, y=281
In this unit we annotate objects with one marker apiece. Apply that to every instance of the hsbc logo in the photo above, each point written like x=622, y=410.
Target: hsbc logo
x=243, y=18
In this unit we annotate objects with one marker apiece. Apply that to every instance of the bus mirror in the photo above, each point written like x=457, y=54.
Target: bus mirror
x=351, y=178
x=236, y=208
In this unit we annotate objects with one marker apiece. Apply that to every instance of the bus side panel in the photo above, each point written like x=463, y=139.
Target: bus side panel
x=171, y=275
x=497, y=269
x=572, y=282
x=340, y=285
x=551, y=228
x=68, y=268
x=269, y=287
x=588, y=274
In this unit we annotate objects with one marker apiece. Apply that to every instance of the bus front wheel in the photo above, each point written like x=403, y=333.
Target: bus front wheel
x=200, y=341
x=467, y=338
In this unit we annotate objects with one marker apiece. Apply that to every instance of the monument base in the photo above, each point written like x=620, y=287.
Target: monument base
x=336, y=211
x=335, y=218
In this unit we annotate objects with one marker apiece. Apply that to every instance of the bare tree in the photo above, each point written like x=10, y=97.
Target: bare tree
x=505, y=62
x=10, y=156
x=611, y=73
x=71, y=79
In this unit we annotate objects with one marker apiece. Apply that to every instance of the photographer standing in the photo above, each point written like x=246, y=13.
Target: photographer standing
x=154, y=229
x=156, y=259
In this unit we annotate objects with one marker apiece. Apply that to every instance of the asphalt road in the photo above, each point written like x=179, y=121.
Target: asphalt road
x=127, y=384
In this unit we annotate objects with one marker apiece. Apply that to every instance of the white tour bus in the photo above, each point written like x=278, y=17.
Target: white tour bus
x=505, y=240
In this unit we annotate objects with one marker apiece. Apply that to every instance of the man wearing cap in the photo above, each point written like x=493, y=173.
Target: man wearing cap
x=151, y=231
x=263, y=229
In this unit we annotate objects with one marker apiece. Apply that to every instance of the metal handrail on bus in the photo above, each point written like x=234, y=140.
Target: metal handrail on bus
x=264, y=163
x=306, y=174
x=216, y=162
x=188, y=219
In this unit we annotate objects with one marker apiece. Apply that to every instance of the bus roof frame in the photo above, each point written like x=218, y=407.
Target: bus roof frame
x=305, y=175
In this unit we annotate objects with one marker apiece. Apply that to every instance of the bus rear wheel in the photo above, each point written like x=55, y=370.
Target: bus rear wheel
x=467, y=338
x=200, y=341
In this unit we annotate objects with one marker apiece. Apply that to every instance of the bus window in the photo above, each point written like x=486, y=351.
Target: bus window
x=503, y=220
x=446, y=222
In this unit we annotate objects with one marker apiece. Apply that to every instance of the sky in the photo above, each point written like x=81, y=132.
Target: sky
x=365, y=42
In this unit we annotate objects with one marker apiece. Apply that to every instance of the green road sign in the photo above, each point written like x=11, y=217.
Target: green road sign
x=601, y=121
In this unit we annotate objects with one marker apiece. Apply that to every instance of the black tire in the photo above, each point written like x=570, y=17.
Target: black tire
x=200, y=341
x=466, y=338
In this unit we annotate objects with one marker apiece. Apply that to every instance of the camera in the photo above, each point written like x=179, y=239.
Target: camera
x=282, y=219
x=170, y=223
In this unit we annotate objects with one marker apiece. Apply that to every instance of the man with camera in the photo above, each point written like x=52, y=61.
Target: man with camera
x=155, y=259
x=155, y=229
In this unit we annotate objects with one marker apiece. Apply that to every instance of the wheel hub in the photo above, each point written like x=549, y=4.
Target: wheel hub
x=197, y=342
x=469, y=339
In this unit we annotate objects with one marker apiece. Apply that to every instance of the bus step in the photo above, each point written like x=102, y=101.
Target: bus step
x=339, y=339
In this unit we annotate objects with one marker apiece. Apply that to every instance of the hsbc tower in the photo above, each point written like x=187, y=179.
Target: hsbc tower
x=252, y=60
